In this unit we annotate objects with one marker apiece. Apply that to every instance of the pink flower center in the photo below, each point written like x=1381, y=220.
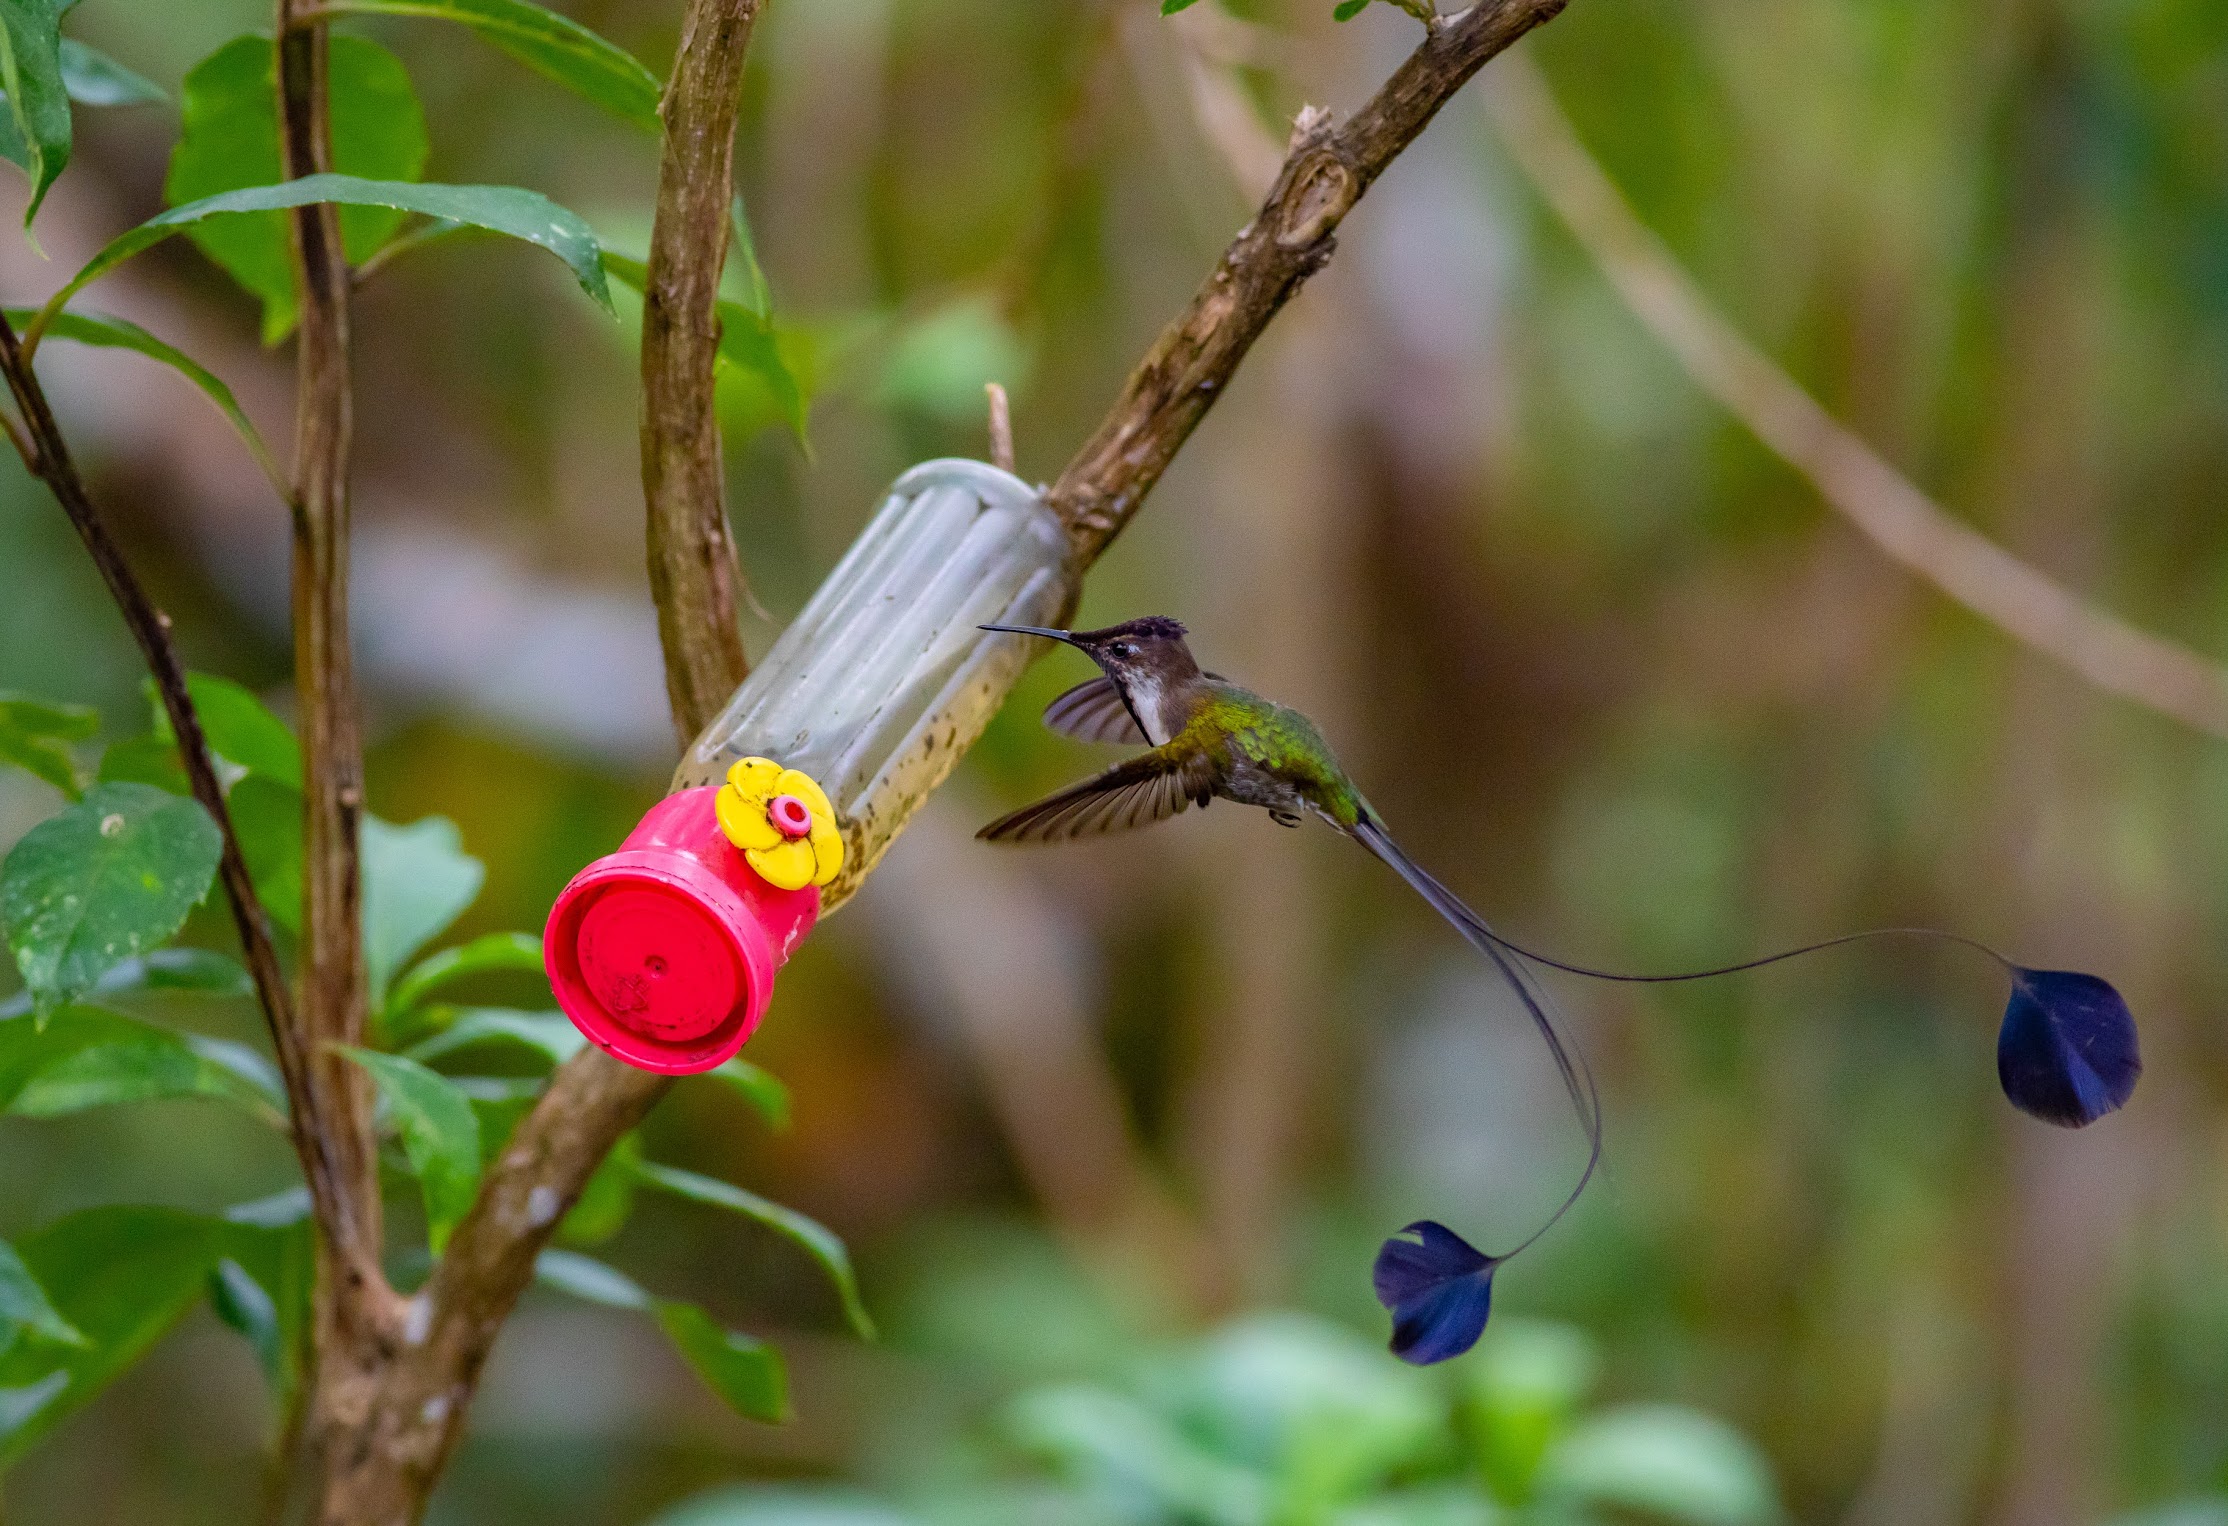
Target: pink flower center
x=791, y=817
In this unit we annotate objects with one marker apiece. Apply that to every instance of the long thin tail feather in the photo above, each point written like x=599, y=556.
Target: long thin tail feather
x=1578, y=1077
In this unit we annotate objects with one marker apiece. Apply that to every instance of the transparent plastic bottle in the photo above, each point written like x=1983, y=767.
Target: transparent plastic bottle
x=884, y=679
x=664, y=952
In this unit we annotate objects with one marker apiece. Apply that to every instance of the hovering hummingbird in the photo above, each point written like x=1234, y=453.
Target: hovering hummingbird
x=2066, y=1052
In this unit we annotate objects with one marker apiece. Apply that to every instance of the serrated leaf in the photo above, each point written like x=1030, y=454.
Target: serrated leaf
x=107, y=879
x=231, y=141
x=505, y=209
x=105, y=332
x=748, y=341
x=550, y=44
x=491, y=953
x=121, y=1276
x=417, y=880
x=24, y=1303
x=440, y=1135
x=809, y=1234
x=35, y=737
x=741, y=1369
x=549, y=1035
x=37, y=139
x=92, y=78
x=761, y=1088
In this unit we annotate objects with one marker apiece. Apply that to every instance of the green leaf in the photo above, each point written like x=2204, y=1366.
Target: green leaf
x=108, y=333
x=488, y=954
x=417, y=880
x=744, y=1371
x=504, y=209
x=109, y=878
x=85, y=1058
x=94, y=79
x=1097, y=1434
x=815, y=1238
x=35, y=737
x=748, y=341
x=607, y=1201
x=242, y=730
x=440, y=1135
x=262, y=1288
x=746, y=250
x=267, y=818
x=1520, y=1393
x=550, y=1035
x=119, y=1275
x=1665, y=1461
x=939, y=363
x=1348, y=9
x=24, y=1303
x=248, y=1307
x=37, y=135
x=231, y=141
x=1171, y=7
x=144, y=760
x=589, y=1280
x=198, y=970
x=545, y=42
x=762, y=1089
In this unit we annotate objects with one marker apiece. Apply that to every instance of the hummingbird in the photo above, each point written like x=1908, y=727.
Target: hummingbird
x=2066, y=1049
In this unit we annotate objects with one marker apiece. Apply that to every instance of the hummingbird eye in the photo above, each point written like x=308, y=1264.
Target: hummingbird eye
x=1123, y=649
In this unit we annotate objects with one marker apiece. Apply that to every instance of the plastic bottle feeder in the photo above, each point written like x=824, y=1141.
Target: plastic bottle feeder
x=664, y=954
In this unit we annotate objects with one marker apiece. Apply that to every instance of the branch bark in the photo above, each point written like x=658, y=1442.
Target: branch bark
x=399, y=1437
x=694, y=578
x=357, y=1315
x=1326, y=170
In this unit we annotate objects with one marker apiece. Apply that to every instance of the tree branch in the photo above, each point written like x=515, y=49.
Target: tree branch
x=1326, y=170
x=47, y=455
x=356, y=1313
x=1850, y=475
x=693, y=575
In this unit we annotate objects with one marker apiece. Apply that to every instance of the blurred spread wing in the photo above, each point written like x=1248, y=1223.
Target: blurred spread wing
x=1136, y=792
x=1094, y=712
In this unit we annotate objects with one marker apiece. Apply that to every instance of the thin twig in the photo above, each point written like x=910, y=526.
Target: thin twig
x=1849, y=474
x=1001, y=427
x=1326, y=169
x=47, y=455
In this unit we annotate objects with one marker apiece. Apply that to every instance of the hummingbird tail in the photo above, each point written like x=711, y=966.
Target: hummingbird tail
x=1578, y=1077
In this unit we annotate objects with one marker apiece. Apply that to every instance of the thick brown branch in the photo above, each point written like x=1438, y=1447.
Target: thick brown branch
x=356, y=1314
x=48, y=457
x=1325, y=172
x=693, y=575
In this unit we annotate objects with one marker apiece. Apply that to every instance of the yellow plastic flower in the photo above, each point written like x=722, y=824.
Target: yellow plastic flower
x=783, y=823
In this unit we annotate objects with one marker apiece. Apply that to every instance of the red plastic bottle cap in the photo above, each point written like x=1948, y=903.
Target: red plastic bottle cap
x=790, y=816
x=664, y=953
x=657, y=962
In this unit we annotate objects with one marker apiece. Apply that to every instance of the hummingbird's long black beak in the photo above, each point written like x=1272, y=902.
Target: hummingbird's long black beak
x=1031, y=630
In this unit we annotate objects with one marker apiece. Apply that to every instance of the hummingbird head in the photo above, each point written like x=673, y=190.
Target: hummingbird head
x=1147, y=654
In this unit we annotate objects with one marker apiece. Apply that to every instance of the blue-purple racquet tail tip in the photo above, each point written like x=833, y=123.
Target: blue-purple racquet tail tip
x=2066, y=1053
x=1439, y=1289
